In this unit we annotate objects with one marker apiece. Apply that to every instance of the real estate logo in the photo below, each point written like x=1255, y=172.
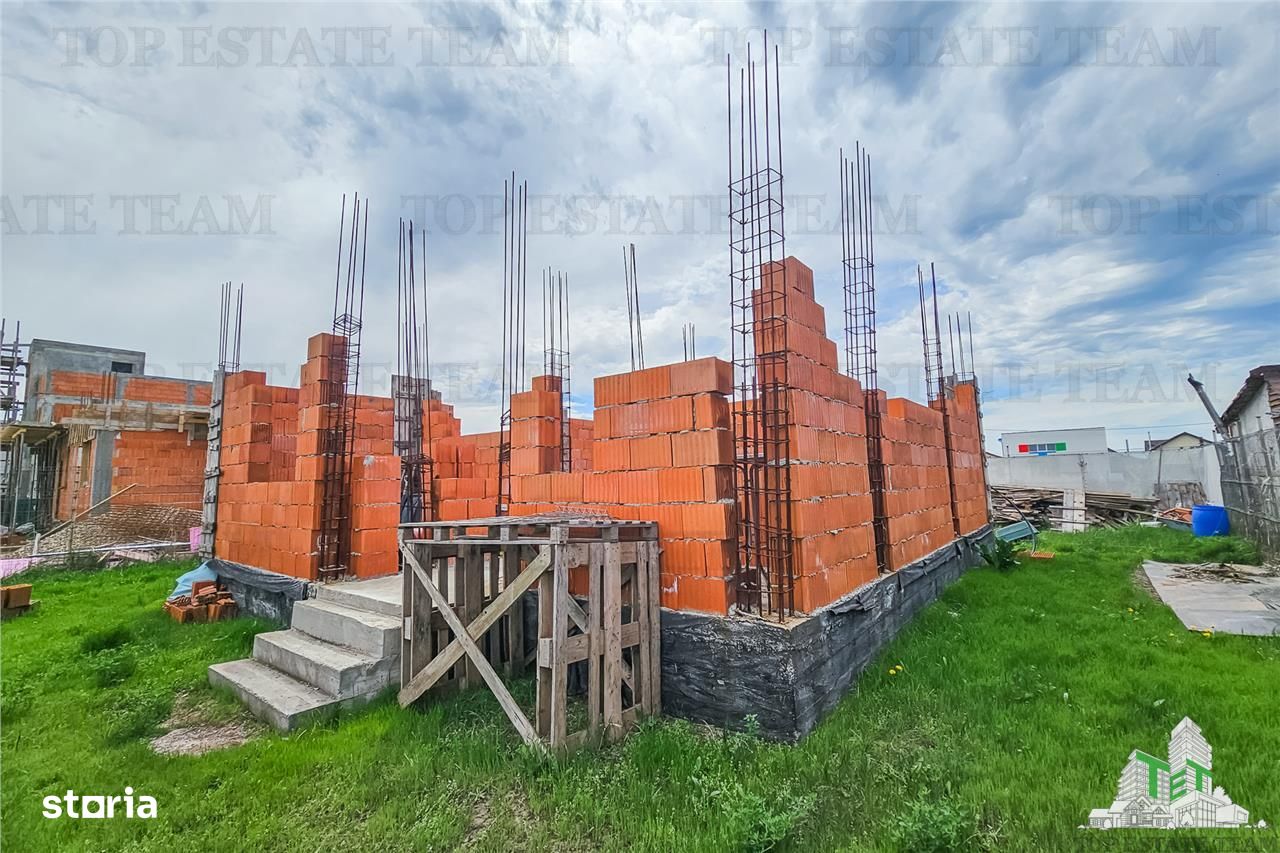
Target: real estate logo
x=97, y=806
x=1174, y=794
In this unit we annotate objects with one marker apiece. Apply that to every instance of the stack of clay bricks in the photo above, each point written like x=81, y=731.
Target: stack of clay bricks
x=968, y=458
x=917, y=497
x=833, y=550
x=206, y=603
x=163, y=466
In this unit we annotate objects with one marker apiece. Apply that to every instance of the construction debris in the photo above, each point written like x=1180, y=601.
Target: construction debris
x=1229, y=572
x=1044, y=507
x=206, y=603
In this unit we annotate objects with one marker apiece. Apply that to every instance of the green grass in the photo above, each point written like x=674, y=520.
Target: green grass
x=1021, y=696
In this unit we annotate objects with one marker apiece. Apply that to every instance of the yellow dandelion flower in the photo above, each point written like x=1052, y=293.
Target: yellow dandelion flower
x=892, y=671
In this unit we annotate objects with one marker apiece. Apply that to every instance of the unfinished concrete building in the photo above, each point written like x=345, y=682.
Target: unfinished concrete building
x=93, y=425
x=659, y=447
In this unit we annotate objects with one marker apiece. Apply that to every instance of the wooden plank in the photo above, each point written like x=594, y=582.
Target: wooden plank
x=439, y=665
x=595, y=641
x=640, y=686
x=500, y=692
x=576, y=648
x=611, y=624
x=546, y=587
x=406, y=623
x=653, y=691
x=559, y=633
x=513, y=634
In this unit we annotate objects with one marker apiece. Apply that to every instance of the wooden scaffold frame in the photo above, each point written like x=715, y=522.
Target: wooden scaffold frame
x=464, y=588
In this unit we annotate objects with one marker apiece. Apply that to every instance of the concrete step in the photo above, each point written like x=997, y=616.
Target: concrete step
x=362, y=630
x=337, y=670
x=379, y=595
x=281, y=701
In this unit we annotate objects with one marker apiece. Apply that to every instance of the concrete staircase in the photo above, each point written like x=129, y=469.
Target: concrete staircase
x=342, y=649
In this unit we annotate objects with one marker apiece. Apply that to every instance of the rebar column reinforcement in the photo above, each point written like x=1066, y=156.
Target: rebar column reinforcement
x=634, y=332
x=411, y=383
x=230, y=319
x=860, y=327
x=515, y=215
x=764, y=576
x=938, y=385
x=555, y=352
x=338, y=388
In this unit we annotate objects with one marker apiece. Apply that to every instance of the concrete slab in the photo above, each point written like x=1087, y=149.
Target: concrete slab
x=377, y=595
x=1201, y=601
x=272, y=696
x=363, y=630
x=337, y=670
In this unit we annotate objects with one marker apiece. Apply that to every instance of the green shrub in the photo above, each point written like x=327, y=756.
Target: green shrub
x=111, y=666
x=1000, y=555
x=931, y=825
x=106, y=638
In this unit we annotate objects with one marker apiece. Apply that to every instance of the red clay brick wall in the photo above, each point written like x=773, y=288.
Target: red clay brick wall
x=271, y=490
x=71, y=501
x=833, y=550
x=164, y=467
x=967, y=458
x=917, y=499
x=661, y=451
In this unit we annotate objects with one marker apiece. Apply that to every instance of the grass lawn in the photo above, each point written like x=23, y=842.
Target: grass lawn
x=1021, y=697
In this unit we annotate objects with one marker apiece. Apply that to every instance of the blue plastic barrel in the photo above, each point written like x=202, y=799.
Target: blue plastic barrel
x=1209, y=520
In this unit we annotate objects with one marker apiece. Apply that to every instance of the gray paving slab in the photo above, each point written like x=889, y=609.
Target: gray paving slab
x=1229, y=607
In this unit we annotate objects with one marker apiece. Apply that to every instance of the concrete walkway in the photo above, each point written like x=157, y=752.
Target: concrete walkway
x=1250, y=607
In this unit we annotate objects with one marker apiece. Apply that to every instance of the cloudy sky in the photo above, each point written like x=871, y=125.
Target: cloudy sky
x=1097, y=184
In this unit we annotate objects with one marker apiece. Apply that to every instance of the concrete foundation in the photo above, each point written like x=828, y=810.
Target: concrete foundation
x=789, y=675
x=267, y=595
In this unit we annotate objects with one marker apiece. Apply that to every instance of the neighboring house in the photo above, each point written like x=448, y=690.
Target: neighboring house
x=1181, y=441
x=1257, y=405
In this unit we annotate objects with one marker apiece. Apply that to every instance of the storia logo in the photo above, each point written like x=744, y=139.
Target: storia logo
x=96, y=806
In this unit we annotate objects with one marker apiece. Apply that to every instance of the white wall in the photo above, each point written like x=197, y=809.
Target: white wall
x=1128, y=473
x=1259, y=406
x=1086, y=440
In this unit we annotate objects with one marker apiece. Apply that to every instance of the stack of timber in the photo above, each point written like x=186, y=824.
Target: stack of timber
x=1043, y=507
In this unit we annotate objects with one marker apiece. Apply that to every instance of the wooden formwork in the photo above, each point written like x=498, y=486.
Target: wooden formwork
x=597, y=585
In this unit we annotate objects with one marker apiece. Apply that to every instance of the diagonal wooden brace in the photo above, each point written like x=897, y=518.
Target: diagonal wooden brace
x=464, y=642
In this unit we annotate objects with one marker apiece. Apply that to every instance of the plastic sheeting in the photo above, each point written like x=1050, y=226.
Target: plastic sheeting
x=201, y=572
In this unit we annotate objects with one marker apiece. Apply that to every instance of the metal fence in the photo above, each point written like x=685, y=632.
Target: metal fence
x=1251, y=487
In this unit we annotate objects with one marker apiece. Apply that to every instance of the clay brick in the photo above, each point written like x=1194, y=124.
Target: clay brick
x=706, y=521
x=703, y=447
x=547, y=383
x=612, y=455
x=651, y=452
x=681, y=484
x=535, y=404
x=710, y=411
x=702, y=594
x=701, y=376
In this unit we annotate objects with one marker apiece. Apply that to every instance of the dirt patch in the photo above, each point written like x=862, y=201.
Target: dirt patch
x=1142, y=582
x=189, y=730
x=197, y=740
